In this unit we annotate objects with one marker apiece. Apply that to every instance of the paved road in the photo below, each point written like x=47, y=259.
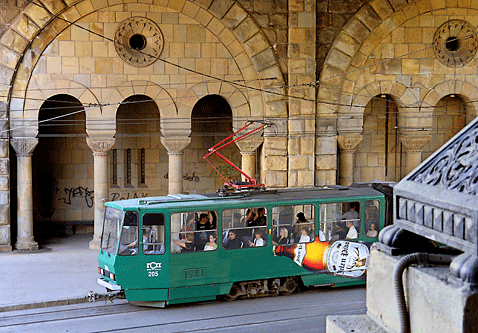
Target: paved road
x=300, y=312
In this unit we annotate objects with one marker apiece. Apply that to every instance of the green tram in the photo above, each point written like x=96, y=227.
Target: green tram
x=188, y=248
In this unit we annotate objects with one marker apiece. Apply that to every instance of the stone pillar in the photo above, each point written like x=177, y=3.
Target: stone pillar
x=414, y=145
x=5, y=238
x=175, y=147
x=24, y=148
x=302, y=60
x=248, y=152
x=347, y=144
x=100, y=147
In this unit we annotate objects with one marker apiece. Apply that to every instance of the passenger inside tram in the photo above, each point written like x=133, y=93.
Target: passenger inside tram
x=233, y=242
x=283, y=237
x=304, y=236
x=187, y=244
x=258, y=240
x=212, y=244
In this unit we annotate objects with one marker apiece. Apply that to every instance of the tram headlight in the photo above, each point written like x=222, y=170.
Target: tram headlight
x=106, y=273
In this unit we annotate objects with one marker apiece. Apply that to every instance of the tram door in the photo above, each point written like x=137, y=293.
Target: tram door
x=140, y=256
x=126, y=262
x=193, y=254
x=154, y=261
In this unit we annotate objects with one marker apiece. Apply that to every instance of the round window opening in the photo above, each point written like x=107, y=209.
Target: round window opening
x=455, y=43
x=137, y=42
x=452, y=44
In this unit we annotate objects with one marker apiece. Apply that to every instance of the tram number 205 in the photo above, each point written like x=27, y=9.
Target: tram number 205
x=153, y=268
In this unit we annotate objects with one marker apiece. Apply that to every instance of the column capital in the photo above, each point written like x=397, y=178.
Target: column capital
x=349, y=141
x=24, y=146
x=415, y=143
x=175, y=144
x=100, y=144
x=248, y=146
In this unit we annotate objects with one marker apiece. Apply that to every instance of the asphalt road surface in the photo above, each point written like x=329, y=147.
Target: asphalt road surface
x=299, y=312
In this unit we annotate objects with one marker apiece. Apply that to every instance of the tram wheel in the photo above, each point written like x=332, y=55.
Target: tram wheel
x=233, y=293
x=290, y=286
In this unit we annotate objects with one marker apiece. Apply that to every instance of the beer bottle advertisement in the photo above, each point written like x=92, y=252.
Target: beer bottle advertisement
x=342, y=257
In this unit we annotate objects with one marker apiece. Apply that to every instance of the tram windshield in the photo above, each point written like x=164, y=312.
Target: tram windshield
x=111, y=228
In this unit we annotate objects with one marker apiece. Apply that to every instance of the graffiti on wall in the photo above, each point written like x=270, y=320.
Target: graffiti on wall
x=78, y=193
x=115, y=196
x=225, y=170
x=186, y=177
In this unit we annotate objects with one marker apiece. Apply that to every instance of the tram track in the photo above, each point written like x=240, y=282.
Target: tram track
x=210, y=324
x=24, y=318
x=171, y=321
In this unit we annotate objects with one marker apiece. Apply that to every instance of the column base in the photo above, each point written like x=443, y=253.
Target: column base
x=95, y=243
x=26, y=245
x=5, y=248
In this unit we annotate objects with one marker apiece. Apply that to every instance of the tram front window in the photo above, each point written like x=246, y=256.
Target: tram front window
x=129, y=235
x=111, y=227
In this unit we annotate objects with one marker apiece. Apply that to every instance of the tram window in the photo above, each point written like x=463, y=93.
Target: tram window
x=244, y=227
x=129, y=235
x=194, y=231
x=293, y=224
x=153, y=233
x=372, y=218
x=340, y=220
x=111, y=229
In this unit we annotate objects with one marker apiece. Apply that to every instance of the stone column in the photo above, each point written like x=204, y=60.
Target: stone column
x=248, y=152
x=24, y=148
x=414, y=145
x=5, y=238
x=100, y=147
x=175, y=147
x=347, y=144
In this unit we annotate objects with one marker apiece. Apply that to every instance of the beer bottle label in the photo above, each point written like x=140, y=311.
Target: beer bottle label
x=347, y=258
x=344, y=258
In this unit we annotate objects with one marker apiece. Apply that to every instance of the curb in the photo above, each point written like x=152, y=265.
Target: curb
x=45, y=304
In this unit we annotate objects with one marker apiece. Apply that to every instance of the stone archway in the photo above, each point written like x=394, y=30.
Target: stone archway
x=62, y=185
x=376, y=45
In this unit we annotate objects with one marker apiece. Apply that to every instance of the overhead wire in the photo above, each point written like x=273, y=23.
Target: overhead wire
x=243, y=86
x=249, y=87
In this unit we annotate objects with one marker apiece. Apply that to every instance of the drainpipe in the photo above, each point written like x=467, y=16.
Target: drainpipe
x=405, y=262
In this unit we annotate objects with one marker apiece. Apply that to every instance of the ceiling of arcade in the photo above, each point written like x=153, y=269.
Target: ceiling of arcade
x=388, y=48
x=222, y=42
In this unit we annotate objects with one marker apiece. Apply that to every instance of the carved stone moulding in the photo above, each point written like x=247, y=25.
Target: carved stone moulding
x=175, y=144
x=415, y=143
x=100, y=145
x=249, y=145
x=349, y=141
x=24, y=146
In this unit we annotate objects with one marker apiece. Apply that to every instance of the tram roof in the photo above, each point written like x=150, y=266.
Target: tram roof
x=254, y=196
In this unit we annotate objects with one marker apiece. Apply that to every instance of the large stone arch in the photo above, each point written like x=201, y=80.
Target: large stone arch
x=468, y=94
x=354, y=124
x=164, y=101
x=240, y=106
x=35, y=97
x=354, y=45
x=36, y=27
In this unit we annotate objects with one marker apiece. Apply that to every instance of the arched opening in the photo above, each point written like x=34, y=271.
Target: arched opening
x=379, y=154
x=62, y=168
x=138, y=160
x=449, y=117
x=211, y=122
